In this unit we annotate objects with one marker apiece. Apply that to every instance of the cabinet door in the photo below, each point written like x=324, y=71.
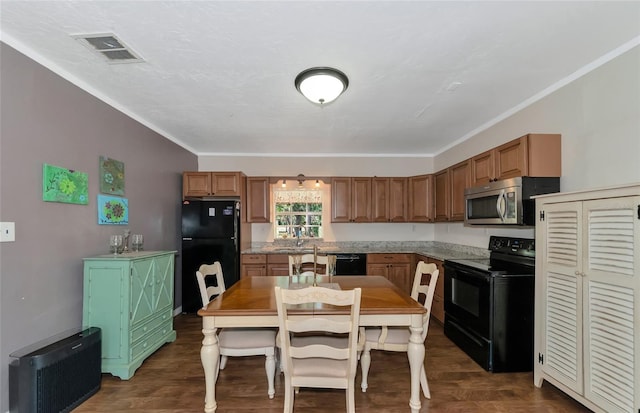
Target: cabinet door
x=400, y=275
x=196, y=184
x=512, y=158
x=254, y=270
x=560, y=257
x=377, y=269
x=258, y=200
x=253, y=265
x=163, y=270
x=442, y=196
x=380, y=199
x=611, y=276
x=460, y=179
x=277, y=264
x=420, y=199
x=397, y=196
x=142, y=283
x=361, y=199
x=340, y=199
x=225, y=183
x=482, y=168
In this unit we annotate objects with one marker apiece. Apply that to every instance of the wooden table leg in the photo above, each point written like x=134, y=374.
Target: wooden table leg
x=210, y=356
x=415, y=352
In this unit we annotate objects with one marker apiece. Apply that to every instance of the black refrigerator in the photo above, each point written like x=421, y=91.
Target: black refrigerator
x=210, y=232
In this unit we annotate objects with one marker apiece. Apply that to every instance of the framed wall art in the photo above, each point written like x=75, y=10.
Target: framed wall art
x=64, y=185
x=113, y=210
x=111, y=176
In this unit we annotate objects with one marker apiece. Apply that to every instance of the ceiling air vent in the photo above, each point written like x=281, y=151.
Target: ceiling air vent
x=110, y=47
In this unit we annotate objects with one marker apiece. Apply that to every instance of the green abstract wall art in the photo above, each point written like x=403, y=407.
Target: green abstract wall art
x=113, y=210
x=64, y=185
x=111, y=176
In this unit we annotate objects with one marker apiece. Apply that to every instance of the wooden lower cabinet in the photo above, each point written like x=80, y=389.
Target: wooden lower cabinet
x=395, y=267
x=277, y=264
x=253, y=265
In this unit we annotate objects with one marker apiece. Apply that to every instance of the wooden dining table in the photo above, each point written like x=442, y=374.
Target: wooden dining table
x=251, y=303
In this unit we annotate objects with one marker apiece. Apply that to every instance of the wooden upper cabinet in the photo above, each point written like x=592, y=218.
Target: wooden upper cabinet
x=420, y=198
x=351, y=200
x=380, y=199
x=442, y=195
x=397, y=199
x=258, y=200
x=459, y=178
x=388, y=199
x=482, y=168
x=360, y=199
x=529, y=155
x=204, y=184
x=341, y=200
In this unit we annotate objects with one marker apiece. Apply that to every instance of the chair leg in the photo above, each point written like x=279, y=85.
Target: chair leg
x=351, y=402
x=288, y=395
x=365, y=363
x=424, y=384
x=223, y=362
x=270, y=368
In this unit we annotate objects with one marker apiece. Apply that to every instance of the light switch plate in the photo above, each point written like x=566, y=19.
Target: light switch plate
x=7, y=231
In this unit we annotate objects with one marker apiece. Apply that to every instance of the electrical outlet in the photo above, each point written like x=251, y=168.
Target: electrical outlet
x=7, y=231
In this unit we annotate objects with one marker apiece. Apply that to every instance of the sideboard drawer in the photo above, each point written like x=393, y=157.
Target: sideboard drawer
x=146, y=328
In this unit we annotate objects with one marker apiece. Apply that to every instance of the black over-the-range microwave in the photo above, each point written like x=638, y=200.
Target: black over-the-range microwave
x=507, y=202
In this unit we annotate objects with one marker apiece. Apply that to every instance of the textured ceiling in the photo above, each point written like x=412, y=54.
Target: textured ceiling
x=218, y=75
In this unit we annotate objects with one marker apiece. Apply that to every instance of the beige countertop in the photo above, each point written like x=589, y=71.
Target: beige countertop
x=433, y=249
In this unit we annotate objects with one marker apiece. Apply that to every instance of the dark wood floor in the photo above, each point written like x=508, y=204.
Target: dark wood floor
x=172, y=381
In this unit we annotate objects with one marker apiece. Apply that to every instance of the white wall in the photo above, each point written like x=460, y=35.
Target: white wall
x=598, y=116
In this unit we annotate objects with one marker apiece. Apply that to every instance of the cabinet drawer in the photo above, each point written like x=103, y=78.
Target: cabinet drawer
x=388, y=258
x=147, y=327
x=278, y=259
x=254, y=258
x=152, y=340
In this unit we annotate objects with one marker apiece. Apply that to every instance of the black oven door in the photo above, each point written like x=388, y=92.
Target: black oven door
x=467, y=297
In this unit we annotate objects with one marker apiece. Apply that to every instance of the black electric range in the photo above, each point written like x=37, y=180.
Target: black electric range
x=489, y=305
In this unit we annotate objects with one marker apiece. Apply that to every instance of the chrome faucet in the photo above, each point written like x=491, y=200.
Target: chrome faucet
x=299, y=241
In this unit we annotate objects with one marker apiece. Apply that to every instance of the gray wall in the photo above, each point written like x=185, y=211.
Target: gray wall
x=45, y=119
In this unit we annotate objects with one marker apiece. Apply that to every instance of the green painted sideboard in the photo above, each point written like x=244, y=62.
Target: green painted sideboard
x=130, y=297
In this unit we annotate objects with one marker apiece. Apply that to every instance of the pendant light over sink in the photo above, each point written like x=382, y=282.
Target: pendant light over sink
x=321, y=85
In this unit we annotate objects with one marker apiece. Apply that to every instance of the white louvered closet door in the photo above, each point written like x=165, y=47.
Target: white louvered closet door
x=561, y=346
x=611, y=303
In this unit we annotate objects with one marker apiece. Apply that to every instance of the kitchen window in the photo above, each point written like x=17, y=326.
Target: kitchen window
x=298, y=213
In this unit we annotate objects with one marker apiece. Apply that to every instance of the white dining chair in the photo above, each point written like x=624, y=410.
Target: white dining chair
x=238, y=342
x=315, y=361
x=322, y=262
x=397, y=338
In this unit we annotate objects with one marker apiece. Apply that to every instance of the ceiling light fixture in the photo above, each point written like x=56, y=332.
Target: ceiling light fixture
x=321, y=85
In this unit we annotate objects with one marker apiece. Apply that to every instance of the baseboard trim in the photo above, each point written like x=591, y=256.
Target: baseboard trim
x=176, y=312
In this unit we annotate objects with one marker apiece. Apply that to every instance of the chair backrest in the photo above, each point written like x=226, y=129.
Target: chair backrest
x=210, y=270
x=300, y=324
x=427, y=289
x=421, y=269
x=323, y=260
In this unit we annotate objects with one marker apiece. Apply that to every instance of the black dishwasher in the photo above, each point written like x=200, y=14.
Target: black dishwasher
x=351, y=264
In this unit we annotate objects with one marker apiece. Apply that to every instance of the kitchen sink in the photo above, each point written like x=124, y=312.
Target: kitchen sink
x=301, y=250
